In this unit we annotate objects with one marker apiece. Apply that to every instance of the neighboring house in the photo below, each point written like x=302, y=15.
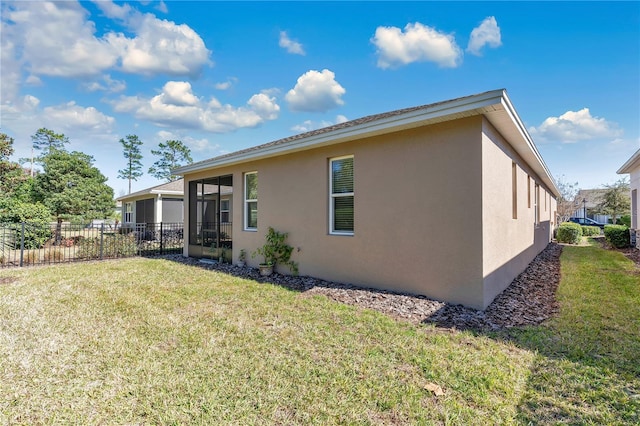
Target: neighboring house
x=632, y=167
x=161, y=203
x=588, y=199
x=450, y=200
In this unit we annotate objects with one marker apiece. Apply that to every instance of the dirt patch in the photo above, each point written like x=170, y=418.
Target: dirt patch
x=7, y=280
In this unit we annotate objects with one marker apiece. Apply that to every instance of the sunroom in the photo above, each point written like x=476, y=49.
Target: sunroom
x=210, y=217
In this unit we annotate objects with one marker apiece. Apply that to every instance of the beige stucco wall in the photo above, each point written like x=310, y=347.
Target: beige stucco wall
x=417, y=211
x=421, y=222
x=635, y=202
x=510, y=244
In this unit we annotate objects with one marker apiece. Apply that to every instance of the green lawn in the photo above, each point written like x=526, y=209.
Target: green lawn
x=149, y=341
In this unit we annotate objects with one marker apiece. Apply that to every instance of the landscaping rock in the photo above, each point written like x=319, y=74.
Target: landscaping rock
x=529, y=300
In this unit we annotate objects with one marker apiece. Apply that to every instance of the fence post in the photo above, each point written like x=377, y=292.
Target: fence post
x=160, y=238
x=101, y=239
x=22, y=245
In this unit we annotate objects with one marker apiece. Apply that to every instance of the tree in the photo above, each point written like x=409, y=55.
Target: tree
x=172, y=154
x=615, y=201
x=46, y=140
x=131, y=151
x=71, y=186
x=566, y=201
x=14, y=182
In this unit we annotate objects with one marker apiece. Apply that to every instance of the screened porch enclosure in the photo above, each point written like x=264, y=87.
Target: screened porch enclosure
x=210, y=225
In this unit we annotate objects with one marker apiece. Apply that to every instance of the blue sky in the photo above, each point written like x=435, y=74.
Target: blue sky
x=223, y=76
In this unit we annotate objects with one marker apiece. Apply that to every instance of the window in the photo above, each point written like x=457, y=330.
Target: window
x=529, y=191
x=128, y=212
x=514, y=191
x=341, y=196
x=536, y=205
x=224, y=211
x=251, y=201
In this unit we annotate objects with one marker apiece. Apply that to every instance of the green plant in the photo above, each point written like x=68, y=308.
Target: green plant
x=35, y=216
x=569, y=232
x=617, y=235
x=276, y=251
x=242, y=257
x=223, y=254
x=589, y=231
x=113, y=245
x=625, y=220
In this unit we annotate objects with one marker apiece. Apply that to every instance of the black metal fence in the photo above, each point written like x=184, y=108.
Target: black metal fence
x=24, y=244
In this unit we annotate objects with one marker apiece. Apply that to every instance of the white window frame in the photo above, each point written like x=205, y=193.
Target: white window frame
x=536, y=205
x=227, y=210
x=128, y=212
x=332, y=196
x=247, y=201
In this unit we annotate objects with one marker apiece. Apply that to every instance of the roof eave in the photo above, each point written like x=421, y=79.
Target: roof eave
x=631, y=164
x=527, y=148
x=486, y=104
x=445, y=111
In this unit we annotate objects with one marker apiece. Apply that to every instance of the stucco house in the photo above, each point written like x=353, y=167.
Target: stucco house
x=450, y=200
x=632, y=167
x=160, y=203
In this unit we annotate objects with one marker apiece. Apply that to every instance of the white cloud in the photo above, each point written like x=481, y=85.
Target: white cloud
x=24, y=116
x=487, y=33
x=177, y=106
x=291, y=46
x=162, y=7
x=71, y=116
x=112, y=10
x=178, y=93
x=308, y=125
x=107, y=85
x=418, y=43
x=265, y=106
x=196, y=145
x=573, y=126
x=316, y=92
x=58, y=39
x=160, y=46
x=226, y=85
x=10, y=70
x=33, y=80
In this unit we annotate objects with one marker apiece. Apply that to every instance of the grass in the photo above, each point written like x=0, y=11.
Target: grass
x=149, y=341
x=587, y=367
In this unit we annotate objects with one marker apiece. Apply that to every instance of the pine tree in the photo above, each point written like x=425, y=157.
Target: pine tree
x=131, y=151
x=172, y=154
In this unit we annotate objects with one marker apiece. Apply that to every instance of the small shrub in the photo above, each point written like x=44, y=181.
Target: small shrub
x=276, y=251
x=569, y=232
x=589, y=231
x=36, y=231
x=624, y=220
x=114, y=245
x=55, y=255
x=617, y=235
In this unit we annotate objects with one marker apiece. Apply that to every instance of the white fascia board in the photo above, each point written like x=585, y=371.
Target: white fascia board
x=439, y=112
x=167, y=192
x=530, y=145
x=630, y=164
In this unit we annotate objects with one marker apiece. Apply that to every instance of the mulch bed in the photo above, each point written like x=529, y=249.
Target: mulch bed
x=530, y=299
